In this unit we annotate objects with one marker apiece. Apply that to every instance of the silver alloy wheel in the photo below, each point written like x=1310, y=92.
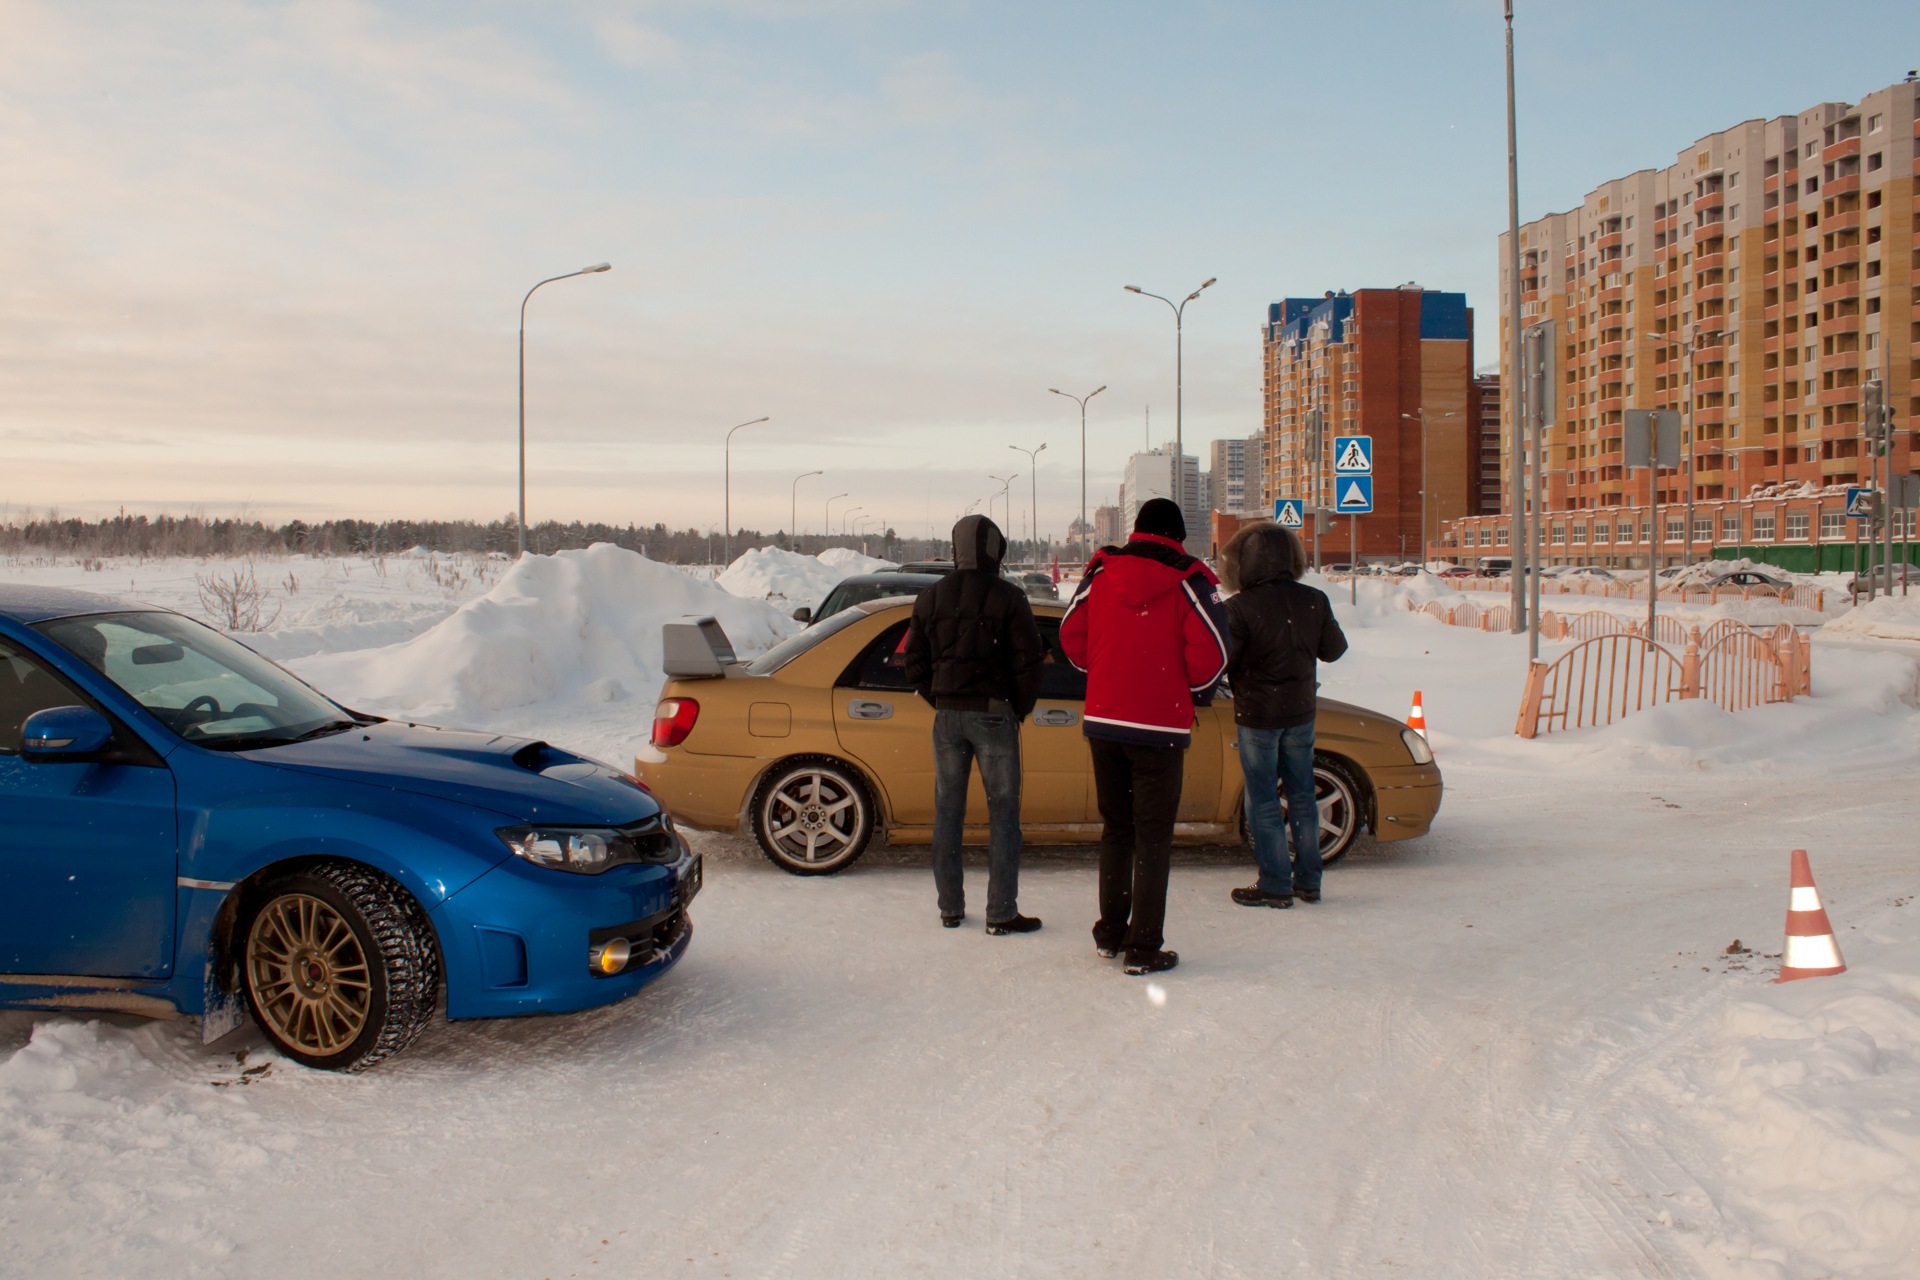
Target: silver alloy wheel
x=813, y=818
x=1339, y=806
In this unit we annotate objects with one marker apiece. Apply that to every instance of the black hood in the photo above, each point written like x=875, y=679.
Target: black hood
x=1263, y=552
x=978, y=544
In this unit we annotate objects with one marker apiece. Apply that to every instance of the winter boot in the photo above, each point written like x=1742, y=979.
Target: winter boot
x=1306, y=895
x=1019, y=924
x=1140, y=960
x=1254, y=896
x=951, y=922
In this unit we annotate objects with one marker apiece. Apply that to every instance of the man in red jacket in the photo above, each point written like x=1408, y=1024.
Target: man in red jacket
x=1148, y=628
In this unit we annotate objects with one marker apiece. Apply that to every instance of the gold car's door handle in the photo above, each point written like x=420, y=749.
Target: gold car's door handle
x=859, y=709
x=1054, y=716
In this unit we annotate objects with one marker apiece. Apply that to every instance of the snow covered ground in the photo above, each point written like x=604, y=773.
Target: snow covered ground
x=1525, y=1045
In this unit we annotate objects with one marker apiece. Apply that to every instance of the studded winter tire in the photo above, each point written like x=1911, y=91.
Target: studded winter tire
x=339, y=966
x=812, y=816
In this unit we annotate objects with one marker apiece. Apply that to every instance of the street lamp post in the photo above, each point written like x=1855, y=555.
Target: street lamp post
x=1179, y=436
x=1424, y=472
x=1082, y=402
x=728, y=542
x=1033, y=483
x=1692, y=428
x=584, y=271
x=1516, y=429
x=826, y=523
x=1006, y=483
x=793, y=506
x=845, y=516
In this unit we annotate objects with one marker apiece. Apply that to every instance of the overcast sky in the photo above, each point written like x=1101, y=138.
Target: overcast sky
x=270, y=255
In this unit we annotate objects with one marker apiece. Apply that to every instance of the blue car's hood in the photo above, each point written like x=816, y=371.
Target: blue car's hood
x=519, y=779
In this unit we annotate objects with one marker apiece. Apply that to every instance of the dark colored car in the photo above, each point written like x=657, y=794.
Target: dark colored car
x=186, y=828
x=862, y=587
x=939, y=568
x=1037, y=585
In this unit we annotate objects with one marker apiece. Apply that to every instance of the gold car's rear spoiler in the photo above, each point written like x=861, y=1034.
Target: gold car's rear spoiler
x=694, y=647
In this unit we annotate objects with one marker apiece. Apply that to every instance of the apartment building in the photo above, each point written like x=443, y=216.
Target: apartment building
x=1483, y=412
x=1153, y=474
x=1234, y=480
x=1106, y=527
x=1369, y=363
x=1753, y=285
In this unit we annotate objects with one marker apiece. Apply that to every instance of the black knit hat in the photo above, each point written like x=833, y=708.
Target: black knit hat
x=1161, y=516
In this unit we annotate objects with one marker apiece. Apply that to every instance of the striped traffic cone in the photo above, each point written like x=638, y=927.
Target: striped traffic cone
x=1417, y=718
x=1811, y=951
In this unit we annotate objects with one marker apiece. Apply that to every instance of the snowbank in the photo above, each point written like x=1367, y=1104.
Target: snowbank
x=849, y=562
x=785, y=579
x=578, y=627
x=1808, y=1089
x=1887, y=618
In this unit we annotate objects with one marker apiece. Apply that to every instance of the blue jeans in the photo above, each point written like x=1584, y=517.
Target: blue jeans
x=1273, y=760
x=992, y=738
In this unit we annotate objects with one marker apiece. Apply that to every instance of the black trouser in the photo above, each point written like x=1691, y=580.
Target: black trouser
x=1139, y=792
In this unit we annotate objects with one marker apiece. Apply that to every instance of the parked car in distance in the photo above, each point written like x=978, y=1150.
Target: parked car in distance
x=819, y=744
x=186, y=828
x=1458, y=571
x=862, y=587
x=1036, y=585
x=1753, y=582
x=1496, y=567
x=938, y=567
x=1591, y=572
x=1880, y=575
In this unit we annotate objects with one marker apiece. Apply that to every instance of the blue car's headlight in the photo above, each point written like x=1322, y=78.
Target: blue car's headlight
x=588, y=851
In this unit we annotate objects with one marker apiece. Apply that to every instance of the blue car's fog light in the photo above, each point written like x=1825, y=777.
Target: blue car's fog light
x=609, y=957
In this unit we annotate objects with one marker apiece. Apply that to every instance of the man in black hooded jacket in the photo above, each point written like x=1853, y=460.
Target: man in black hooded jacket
x=975, y=653
x=1282, y=630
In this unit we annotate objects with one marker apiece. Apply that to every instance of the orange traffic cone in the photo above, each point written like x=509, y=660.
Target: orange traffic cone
x=1811, y=951
x=1417, y=718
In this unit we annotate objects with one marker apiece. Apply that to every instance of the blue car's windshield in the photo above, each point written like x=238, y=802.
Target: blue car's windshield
x=210, y=690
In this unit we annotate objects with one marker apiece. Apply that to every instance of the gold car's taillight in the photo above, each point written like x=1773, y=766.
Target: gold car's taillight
x=673, y=721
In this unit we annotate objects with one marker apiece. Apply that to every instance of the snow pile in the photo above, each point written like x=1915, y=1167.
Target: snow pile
x=1887, y=618
x=1808, y=1091
x=571, y=629
x=849, y=562
x=784, y=579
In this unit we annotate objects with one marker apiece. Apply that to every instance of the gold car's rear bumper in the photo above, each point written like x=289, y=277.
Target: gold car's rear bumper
x=701, y=791
x=1405, y=800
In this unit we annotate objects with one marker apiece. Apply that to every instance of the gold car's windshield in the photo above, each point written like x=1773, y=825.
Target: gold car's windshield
x=793, y=646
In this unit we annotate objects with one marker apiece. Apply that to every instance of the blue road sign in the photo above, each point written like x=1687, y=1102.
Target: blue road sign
x=1287, y=511
x=1352, y=456
x=1353, y=495
x=1860, y=504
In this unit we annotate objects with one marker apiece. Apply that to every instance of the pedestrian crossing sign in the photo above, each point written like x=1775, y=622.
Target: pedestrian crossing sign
x=1354, y=495
x=1353, y=455
x=1860, y=504
x=1287, y=511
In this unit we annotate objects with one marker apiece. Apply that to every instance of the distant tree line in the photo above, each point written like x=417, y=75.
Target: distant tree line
x=203, y=536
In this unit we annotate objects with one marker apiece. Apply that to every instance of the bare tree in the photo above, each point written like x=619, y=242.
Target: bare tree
x=236, y=600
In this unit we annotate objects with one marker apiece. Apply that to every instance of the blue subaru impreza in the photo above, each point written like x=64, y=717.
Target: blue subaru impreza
x=186, y=828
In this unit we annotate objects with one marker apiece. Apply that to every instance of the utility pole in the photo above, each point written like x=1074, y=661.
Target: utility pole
x=1540, y=338
x=1516, y=431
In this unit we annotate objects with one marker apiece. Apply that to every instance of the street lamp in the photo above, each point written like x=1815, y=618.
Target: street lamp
x=1661, y=339
x=1082, y=402
x=1005, y=483
x=826, y=524
x=584, y=271
x=728, y=543
x=1179, y=430
x=845, y=516
x=793, y=506
x=1422, y=412
x=1033, y=482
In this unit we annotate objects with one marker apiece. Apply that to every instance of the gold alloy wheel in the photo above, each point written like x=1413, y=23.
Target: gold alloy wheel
x=308, y=974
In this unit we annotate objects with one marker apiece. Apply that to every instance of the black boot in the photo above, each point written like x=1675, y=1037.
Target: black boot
x=1143, y=961
x=951, y=922
x=1306, y=895
x=1019, y=924
x=1254, y=896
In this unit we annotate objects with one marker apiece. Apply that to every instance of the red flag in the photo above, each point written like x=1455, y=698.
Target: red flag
x=1056, y=571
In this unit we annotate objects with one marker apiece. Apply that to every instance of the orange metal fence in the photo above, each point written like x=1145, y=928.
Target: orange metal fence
x=1814, y=598
x=1612, y=675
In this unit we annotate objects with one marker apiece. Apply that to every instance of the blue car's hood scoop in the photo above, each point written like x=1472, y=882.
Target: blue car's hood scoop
x=522, y=780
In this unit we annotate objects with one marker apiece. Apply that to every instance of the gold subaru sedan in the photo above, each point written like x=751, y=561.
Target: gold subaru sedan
x=820, y=742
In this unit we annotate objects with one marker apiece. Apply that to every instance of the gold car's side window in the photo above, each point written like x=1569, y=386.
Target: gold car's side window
x=1058, y=678
x=883, y=664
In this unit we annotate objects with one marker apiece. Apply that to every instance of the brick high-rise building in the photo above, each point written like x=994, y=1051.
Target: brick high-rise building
x=1235, y=478
x=1371, y=361
x=1483, y=418
x=1754, y=285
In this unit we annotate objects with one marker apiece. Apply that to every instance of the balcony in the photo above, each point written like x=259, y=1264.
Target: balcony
x=1848, y=221
x=1844, y=186
x=1841, y=150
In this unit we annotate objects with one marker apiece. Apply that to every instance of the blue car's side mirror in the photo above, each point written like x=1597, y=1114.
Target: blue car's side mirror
x=64, y=733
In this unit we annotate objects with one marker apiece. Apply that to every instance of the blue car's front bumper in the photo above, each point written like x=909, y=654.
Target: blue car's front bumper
x=518, y=939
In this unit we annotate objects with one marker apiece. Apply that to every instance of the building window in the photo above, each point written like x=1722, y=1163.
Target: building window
x=1676, y=530
x=1560, y=535
x=1579, y=535
x=1646, y=532
x=1703, y=529
x=1763, y=528
x=1797, y=526
x=1500, y=538
x=1833, y=525
x=1730, y=528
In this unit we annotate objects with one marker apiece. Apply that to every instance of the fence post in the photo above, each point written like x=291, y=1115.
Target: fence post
x=1528, y=725
x=1805, y=646
x=1690, y=665
x=1787, y=664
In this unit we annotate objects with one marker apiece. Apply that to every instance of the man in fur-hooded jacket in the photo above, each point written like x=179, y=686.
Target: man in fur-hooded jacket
x=1147, y=627
x=1282, y=630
